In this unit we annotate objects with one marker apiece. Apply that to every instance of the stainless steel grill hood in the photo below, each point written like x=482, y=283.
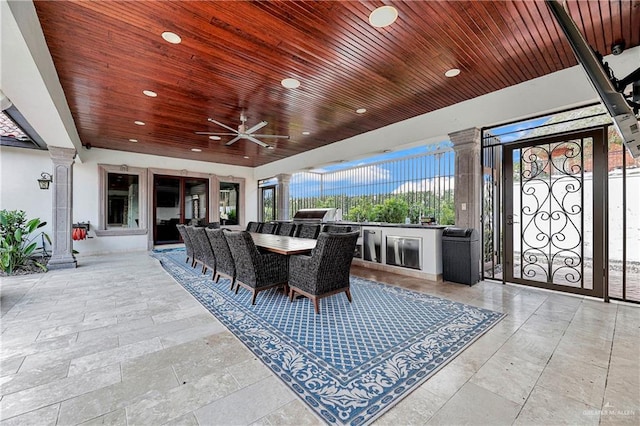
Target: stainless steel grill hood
x=315, y=215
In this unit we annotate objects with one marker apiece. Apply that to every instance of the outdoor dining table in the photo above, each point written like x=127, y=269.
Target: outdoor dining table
x=282, y=244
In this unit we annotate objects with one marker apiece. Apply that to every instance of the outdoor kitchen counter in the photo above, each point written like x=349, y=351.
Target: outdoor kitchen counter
x=407, y=249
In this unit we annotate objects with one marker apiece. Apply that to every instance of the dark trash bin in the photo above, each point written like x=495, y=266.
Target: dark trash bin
x=461, y=255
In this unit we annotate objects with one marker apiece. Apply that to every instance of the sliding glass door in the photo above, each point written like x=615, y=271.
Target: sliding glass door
x=178, y=200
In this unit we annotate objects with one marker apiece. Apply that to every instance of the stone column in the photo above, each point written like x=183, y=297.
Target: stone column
x=468, y=179
x=62, y=210
x=282, y=196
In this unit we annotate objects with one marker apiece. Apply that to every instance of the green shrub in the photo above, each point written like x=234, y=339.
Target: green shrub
x=393, y=210
x=16, y=239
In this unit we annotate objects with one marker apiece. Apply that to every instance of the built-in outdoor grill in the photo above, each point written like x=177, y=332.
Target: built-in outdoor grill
x=315, y=215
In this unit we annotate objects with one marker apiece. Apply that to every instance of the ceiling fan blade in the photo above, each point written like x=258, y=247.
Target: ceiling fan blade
x=254, y=140
x=237, y=138
x=216, y=134
x=272, y=136
x=257, y=127
x=223, y=125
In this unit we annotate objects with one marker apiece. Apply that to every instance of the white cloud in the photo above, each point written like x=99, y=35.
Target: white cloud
x=434, y=185
x=359, y=176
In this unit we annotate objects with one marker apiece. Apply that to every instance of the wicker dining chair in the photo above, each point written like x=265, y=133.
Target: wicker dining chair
x=326, y=271
x=269, y=228
x=254, y=226
x=336, y=229
x=202, y=248
x=286, y=229
x=224, y=260
x=256, y=271
x=307, y=230
x=188, y=245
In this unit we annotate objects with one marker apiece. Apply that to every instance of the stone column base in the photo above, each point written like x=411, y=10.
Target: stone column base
x=62, y=263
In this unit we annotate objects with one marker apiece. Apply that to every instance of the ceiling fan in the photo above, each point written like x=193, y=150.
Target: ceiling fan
x=244, y=133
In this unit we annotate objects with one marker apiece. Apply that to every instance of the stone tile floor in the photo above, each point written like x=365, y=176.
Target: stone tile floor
x=117, y=341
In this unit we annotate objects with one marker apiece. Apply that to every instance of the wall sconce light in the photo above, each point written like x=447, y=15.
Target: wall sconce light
x=45, y=180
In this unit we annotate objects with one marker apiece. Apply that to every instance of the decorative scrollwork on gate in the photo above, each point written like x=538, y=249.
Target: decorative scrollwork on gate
x=551, y=194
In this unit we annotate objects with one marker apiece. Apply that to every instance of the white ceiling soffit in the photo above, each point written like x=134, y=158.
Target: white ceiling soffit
x=29, y=79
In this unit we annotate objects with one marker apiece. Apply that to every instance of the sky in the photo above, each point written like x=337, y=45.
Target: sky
x=388, y=177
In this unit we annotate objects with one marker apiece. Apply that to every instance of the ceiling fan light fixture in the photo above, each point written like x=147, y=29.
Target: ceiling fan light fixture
x=139, y=123
x=150, y=93
x=383, y=16
x=290, y=83
x=361, y=110
x=453, y=72
x=172, y=38
x=215, y=138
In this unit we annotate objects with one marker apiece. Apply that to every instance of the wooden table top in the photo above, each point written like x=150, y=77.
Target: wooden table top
x=282, y=244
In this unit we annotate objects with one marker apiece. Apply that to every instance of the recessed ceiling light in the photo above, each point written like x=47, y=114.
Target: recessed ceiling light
x=215, y=138
x=383, y=16
x=150, y=93
x=171, y=37
x=269, y=147
x=306, y=133
x=290, y=83
x=361, y=110
x=196, y=150
x=246, y=157
x=139, y=123
x=133, y=140
x=452, y=72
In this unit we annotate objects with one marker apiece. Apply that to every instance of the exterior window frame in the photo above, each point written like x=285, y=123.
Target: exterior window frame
x=104, y=170
x=241, y=213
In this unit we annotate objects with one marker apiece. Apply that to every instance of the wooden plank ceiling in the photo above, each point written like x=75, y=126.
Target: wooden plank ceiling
x=234, y=54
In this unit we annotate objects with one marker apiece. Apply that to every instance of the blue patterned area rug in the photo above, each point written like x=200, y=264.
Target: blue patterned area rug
x=352, y=362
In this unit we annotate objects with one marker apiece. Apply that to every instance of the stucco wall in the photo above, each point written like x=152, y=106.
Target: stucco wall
x=20, y=168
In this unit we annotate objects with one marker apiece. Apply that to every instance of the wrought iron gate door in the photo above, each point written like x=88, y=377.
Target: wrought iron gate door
x=554, y=206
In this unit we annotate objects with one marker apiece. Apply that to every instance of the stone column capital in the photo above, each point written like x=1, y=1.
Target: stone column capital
x=283, y=178
x=63, y=156
x=465, y=139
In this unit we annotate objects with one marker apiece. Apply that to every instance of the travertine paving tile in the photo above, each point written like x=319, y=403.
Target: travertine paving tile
x=294, y=413
x=61, y=330
x=35, y=377
x=475, y=405
x=186, y=420
x=197, y=351
x=248, y=372
x=509, y=376
x=37, y=347
x=415, y=409
x=161, y=407
x=67, y=353
x=243, y=406
x=114, y=397
x=548, y=408
x=10, y=366
x=115, y=418
x=580, y=381
x=46, y=416
x=40, y=396
x=193, y=333
x=113, y=356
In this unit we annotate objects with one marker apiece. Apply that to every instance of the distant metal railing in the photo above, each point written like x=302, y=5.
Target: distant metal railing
x=425, y=182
